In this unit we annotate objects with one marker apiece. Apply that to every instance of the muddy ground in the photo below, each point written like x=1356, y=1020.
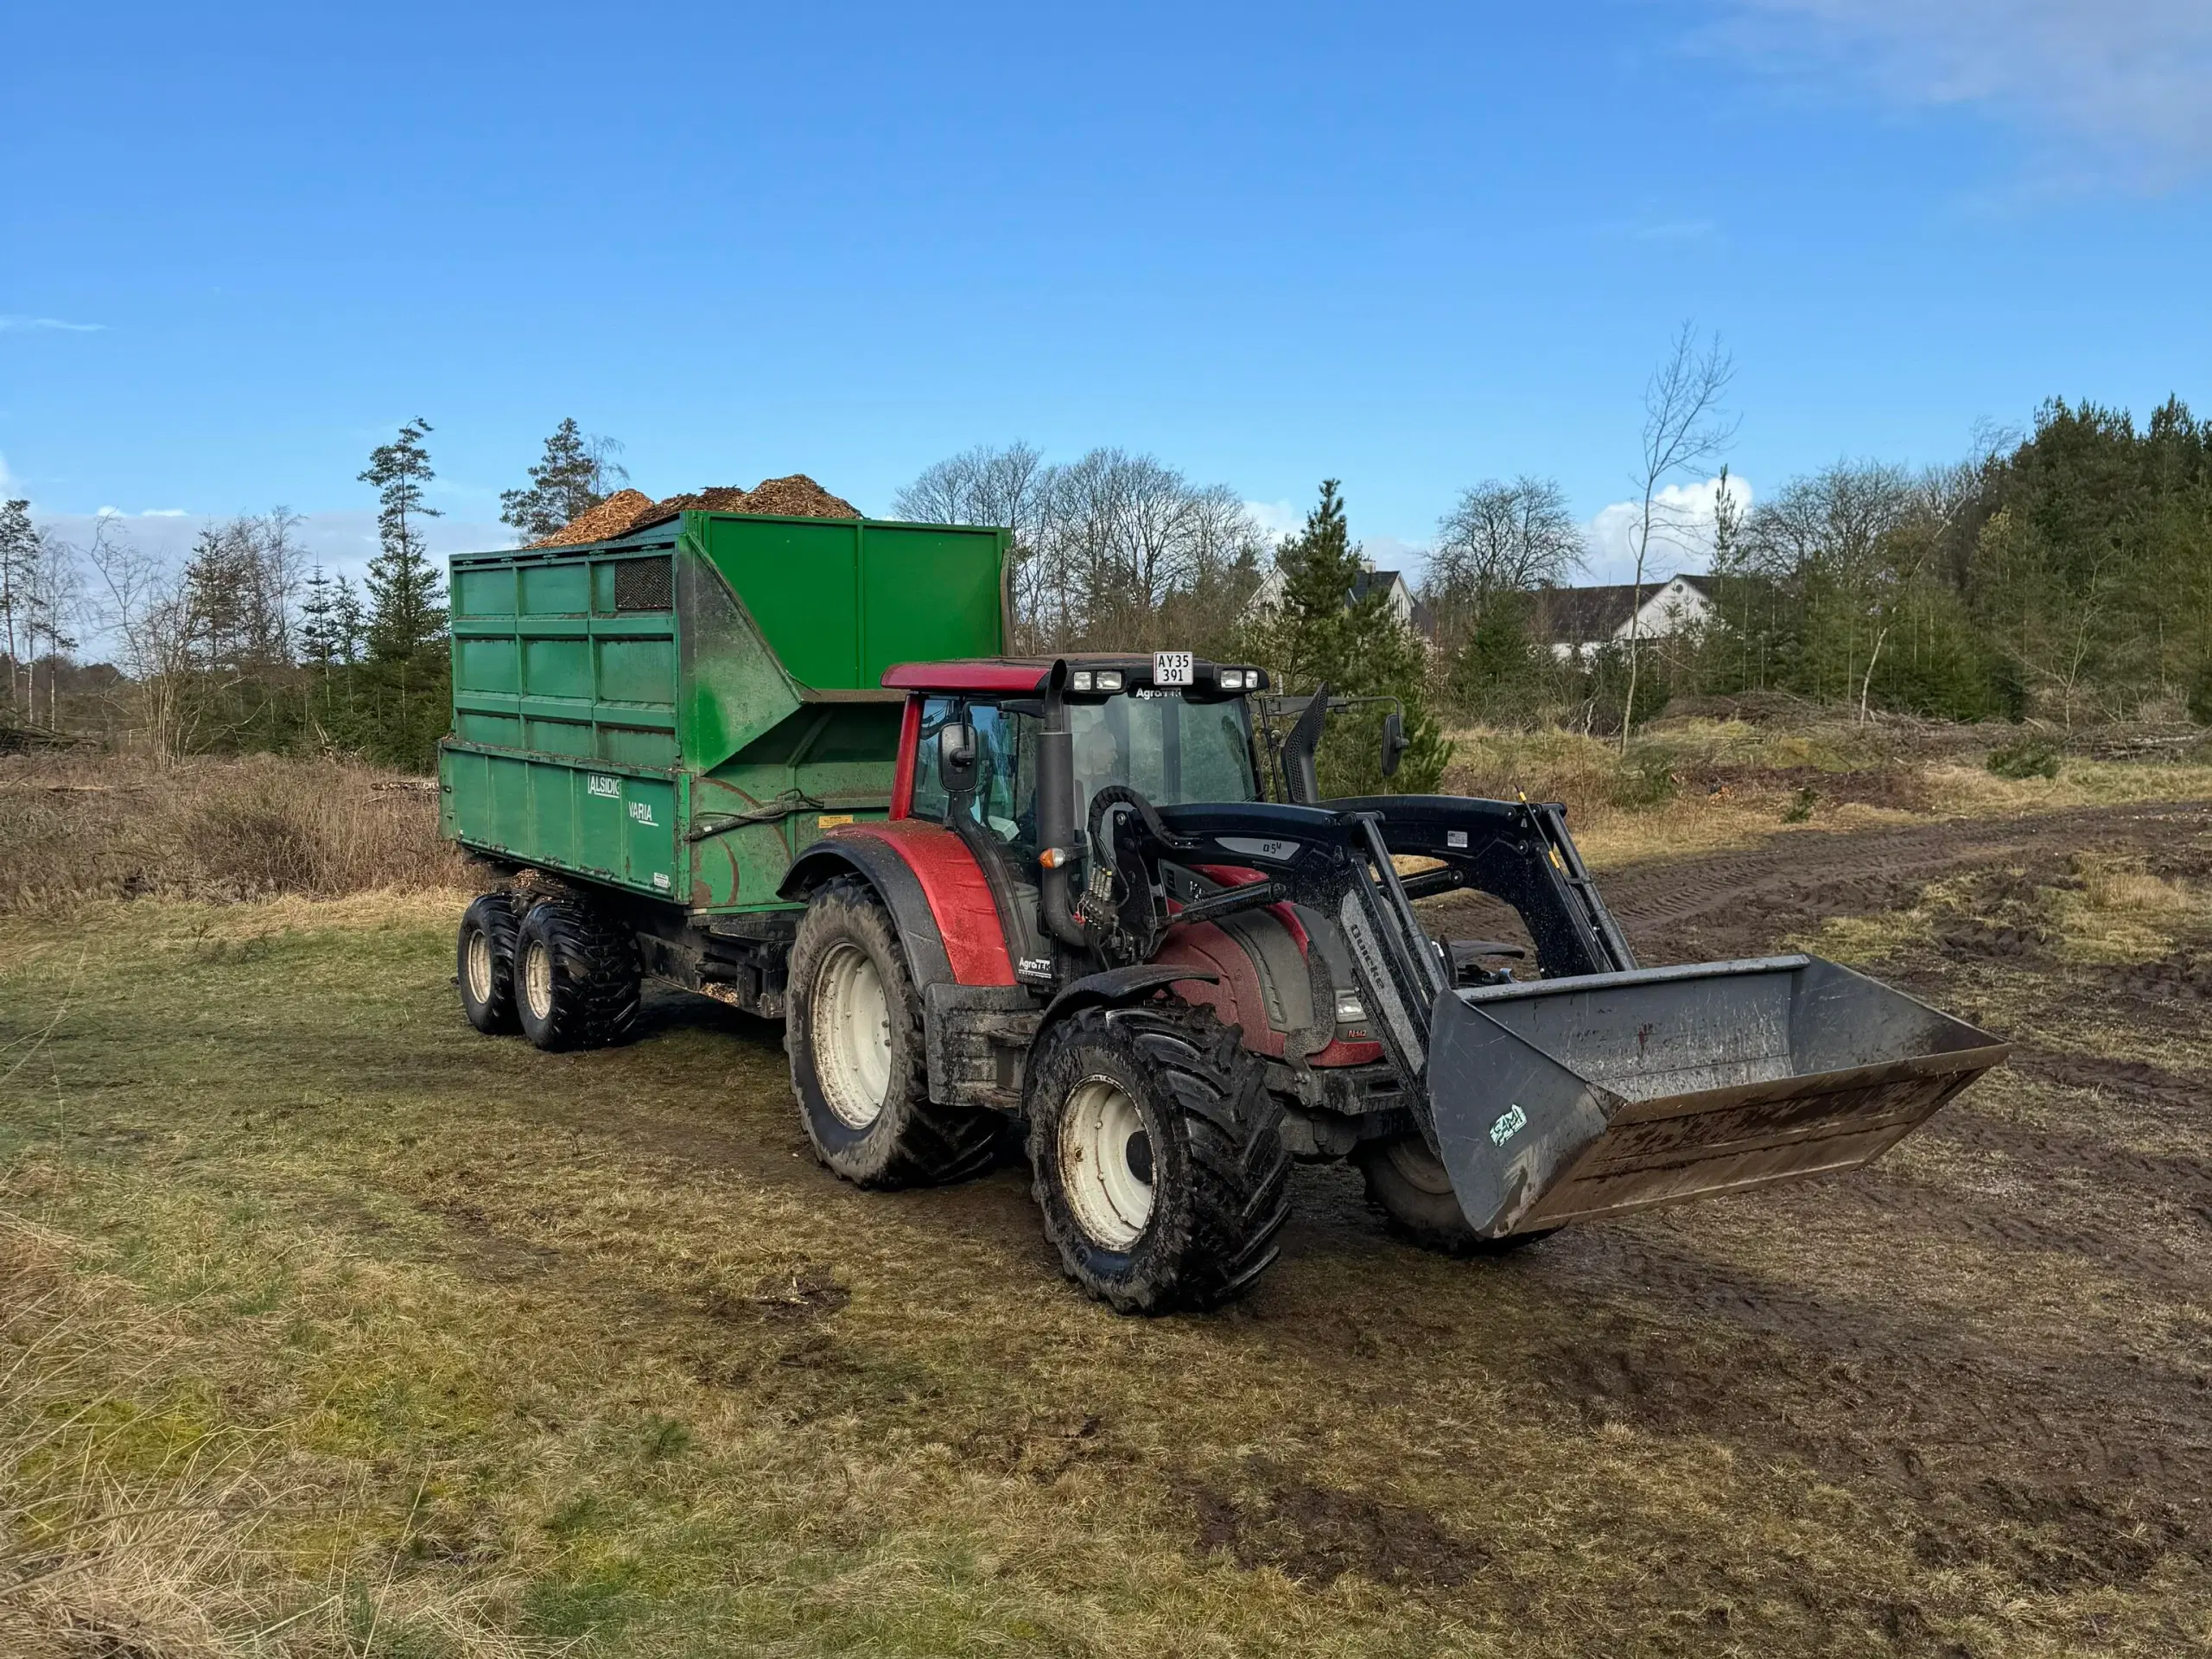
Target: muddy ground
x=2072, y=1390
x=680, y=1392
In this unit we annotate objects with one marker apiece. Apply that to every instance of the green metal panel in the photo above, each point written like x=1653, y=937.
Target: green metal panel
x=595, y=726
x=928, y=593
x=638, y=670
x=799, y=580
x=840, y=601
x=556, y=668
x=486, y=665
x=556, y=589
x=484, y=593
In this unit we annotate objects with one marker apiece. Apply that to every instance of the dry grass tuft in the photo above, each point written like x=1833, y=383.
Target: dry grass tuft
x=76, y=827
x=137, y=1519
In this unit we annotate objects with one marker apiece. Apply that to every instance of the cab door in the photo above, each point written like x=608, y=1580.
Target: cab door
x=989, y=801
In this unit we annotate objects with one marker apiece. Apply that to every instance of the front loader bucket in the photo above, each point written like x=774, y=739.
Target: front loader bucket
x=1559, y=1100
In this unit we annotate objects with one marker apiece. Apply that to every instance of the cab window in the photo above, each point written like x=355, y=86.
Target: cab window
x=1006, y=769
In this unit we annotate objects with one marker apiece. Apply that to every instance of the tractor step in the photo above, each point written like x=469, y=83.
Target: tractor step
x=1561, y=1100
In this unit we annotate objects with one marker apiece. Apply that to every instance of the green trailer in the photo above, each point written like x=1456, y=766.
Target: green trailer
x=673, y=715
x=1050, y=892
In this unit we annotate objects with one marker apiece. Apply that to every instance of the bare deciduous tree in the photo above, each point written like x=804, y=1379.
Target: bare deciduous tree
x=1499, y=538
x=141, y=607
x=1685, y=429
x=985, y=485
x=1110, y=547
x=19, y=552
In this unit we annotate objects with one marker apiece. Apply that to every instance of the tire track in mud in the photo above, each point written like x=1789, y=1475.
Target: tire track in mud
x=1736, y=903
x=2064, y=1457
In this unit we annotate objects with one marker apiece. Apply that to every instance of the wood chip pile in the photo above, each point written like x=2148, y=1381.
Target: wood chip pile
x=796, y=497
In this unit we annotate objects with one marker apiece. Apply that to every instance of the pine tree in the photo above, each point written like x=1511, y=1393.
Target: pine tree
x=318, y=635
x=407, y=677
x=1325, y=630
x=406, y=598
x=349, y=623
x=571, y=478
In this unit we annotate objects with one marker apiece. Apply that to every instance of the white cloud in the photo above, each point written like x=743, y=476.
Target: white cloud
x=1681, y=536
x=1276, y=520
x=16, y=323
x=2125, y=82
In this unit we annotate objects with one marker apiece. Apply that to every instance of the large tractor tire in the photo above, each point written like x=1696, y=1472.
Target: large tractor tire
x=853, y=1033
x=1409, y=1184
x=575, y=974
x=484, y=964
x=1157, y=1156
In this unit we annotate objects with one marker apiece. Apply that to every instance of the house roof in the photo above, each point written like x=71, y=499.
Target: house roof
x=1383, y=578
x=1575, y=616
x=1417, y=612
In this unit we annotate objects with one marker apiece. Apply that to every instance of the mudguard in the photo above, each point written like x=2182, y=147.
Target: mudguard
x=935, y=891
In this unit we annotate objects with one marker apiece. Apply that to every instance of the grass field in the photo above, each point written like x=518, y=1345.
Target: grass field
x=329, y=1326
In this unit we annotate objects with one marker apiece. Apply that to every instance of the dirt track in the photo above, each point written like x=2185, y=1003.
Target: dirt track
x=2059, y=1388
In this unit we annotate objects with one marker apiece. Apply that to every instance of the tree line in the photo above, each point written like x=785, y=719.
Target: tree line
x=2064, y=573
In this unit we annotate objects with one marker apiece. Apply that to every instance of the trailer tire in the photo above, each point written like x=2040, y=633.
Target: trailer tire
x=576, y=978
x=484, y=964
x=1407, y=1183
x=1191, y=1219
x=853, y=1033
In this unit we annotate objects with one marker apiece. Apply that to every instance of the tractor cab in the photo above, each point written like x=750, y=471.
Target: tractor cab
x=971, y=747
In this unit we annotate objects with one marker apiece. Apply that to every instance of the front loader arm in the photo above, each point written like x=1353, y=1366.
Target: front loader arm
x=1516, y=851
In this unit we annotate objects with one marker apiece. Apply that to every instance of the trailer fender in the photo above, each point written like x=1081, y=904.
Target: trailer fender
x=1120, y=985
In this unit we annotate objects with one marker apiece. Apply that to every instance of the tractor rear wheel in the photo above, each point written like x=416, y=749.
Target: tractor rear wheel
x=575, y=974
x=1409, y=1184
x=853, y=1033
x=1156, y=1156
x=484, y=964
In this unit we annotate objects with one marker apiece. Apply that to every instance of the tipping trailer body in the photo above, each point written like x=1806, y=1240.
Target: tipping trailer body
x=675, y=712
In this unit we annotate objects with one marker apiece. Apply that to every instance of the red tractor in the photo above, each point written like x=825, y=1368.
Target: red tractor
x=1082, y=917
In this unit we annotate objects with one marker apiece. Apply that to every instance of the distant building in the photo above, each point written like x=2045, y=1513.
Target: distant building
x=1575, y=620
x=1396, y=592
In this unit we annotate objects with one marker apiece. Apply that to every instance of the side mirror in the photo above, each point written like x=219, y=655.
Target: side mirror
x=956, y=758
x=1394, y=742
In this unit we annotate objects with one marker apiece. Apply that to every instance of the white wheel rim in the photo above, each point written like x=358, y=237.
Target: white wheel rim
x=1099, y=1126
x=1410, y=1156
x=852, y=1035
x=537, y=979
x=479, y=967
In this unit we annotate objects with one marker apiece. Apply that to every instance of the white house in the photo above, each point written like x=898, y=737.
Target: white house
x=1397, y=593
x=1573, y=620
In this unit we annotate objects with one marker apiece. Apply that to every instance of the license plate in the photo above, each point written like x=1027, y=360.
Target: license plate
x=1171, y=668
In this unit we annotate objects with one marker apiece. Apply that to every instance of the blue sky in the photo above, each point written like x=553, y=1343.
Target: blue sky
x=1408, y=247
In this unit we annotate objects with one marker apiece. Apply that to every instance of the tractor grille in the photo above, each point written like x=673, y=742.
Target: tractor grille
x=644, y=585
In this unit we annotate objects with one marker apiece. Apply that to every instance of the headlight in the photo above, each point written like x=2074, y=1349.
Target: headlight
x=1232, y=679
x=1110, y=679
x=1080, y=680
x=1350, y=1011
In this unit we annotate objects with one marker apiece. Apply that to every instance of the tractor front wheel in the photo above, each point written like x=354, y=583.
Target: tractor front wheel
x=1409, y=1184
x=1156, y=1156
x=853, y=1033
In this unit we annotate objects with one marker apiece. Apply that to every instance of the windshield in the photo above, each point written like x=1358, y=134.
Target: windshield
x=1168, y=750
